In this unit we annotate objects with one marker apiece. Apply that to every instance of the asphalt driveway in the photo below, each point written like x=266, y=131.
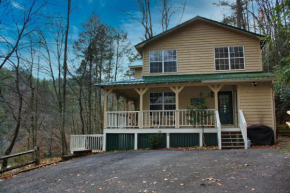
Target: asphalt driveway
x=253, y=170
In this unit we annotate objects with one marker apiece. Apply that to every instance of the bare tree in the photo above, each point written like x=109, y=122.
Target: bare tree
x=63, y=137
x=25, y=20
x=17, y=114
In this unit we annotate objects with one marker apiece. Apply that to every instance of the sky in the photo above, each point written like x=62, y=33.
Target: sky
x=110, y=12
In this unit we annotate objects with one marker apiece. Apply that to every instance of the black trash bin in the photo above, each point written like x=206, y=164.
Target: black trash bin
x=261, y=135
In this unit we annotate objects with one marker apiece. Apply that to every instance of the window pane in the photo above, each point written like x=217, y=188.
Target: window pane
x=221, y=52
x=169, y=55
x=169, y=97
x=156, y=98
x=155, y=67
x=237, y=63
x=155, y=107
x=222, y=64
x=155, y=56
x=170, y=66
x=169, y=107
x=237, y=57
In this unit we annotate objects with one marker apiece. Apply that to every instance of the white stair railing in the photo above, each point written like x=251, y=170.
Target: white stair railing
x=86, y=142
x=243, y=127
x=219, y=128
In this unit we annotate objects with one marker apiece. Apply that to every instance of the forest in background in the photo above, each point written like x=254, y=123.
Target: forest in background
x=45, y=111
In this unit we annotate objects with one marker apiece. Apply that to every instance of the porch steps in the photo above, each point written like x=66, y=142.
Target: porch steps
x=232, y=140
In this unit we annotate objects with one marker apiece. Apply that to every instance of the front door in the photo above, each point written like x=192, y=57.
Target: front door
x=225, y=107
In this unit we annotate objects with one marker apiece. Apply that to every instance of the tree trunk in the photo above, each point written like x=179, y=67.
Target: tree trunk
x=239, y=13
x=63, y=137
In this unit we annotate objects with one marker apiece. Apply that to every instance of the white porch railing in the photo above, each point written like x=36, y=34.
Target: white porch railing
x=219, y=128
x=86, y=142
x=122, y=119
x=243, y=127
x=156, y=118
x=208, y=120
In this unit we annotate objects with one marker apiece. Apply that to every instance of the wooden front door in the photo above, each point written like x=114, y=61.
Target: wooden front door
x=226, y=107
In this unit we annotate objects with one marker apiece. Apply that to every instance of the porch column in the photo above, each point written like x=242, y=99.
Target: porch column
x=106, y=93
x=215, y=89
x=141, y=92
x=177, y=90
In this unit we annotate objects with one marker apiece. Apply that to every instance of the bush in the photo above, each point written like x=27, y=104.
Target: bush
x=155, y=141
x=283, y=130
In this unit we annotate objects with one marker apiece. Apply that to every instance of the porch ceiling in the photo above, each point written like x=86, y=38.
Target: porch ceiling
x=194, y=78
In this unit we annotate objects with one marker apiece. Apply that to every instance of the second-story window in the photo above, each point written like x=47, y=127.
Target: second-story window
x=163, y=61
x=229, y=58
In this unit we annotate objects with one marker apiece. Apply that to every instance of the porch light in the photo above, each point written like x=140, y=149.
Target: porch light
x=254, y=83
x=211, y=94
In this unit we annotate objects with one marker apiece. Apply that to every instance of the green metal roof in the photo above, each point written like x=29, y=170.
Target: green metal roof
x=203, y=18
x=193, y=78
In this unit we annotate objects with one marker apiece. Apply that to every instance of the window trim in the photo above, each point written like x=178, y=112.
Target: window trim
x=162, y=101
x=163, y=62
x=229, y=58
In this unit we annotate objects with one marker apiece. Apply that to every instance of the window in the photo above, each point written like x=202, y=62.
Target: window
x=229, y=58
x=162, y=101
x=162, y=61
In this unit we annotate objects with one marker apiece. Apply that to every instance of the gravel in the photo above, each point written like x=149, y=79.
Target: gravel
x=252, y=170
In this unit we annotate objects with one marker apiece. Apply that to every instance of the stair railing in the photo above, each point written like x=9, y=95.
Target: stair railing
x=243, y=127
x=219, y=129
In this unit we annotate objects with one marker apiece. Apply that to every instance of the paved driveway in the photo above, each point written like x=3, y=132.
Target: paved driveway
x=253, y=170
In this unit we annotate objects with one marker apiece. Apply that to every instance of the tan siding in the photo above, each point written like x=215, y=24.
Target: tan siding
x=195, y=46
x=256, y=103
x=138, y=73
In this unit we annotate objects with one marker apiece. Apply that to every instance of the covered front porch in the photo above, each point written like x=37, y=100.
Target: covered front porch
x=164, y=108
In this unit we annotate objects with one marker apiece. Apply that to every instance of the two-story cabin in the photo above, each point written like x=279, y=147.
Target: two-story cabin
x=198, y=56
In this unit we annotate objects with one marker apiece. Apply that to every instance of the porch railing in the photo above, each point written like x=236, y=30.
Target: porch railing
x=158, y=118
x=122, y=119
x=86, y=142
x=243, y=127
x=186, y=119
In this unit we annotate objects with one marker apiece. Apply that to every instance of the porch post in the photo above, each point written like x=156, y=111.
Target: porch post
x=215, y=89
x=106, y=94
x=135, y=141
x=141, y=92
x=176, y=90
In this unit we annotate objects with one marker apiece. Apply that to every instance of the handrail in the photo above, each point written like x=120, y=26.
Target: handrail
x=219, y=129
x=243, y=127
x=123, y=111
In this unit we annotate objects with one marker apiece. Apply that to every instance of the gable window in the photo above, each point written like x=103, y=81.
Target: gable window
x=162, y=61
x=229, y=58
x=162, y=101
